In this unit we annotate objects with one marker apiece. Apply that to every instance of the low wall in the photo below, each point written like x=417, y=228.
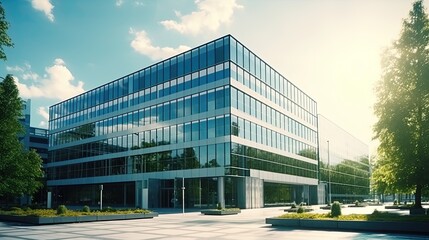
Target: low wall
x=411, y=227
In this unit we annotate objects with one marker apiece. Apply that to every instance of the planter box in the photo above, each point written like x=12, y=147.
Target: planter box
x=77, y=219
x=220, y=212
x=296, y=209
x=86, y=218
x=417, y=211
x=391, y=207
x=409, y=227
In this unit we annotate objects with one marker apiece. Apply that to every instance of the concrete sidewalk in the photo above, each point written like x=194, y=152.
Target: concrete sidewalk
x=250, y=224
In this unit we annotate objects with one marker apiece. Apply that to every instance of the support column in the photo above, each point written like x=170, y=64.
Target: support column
x=221, y=191
x=49, y=200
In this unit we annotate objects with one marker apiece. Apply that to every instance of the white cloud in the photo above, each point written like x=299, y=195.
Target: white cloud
x=30, y=76
x=24, y=71
x=142, y=44
x=57, y=83
x=119, y=3
x=43, y=124
x=210, y=15
x=14, y=69
x=44, y=6
x=139, y=3
x=44, y=113
x=59, y=61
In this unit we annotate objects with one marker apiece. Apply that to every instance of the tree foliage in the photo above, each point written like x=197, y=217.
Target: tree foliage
x=4, y=38
x=20, y=170
x=402, y=108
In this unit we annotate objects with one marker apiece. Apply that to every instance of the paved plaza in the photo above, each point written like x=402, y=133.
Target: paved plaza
x=250, y=224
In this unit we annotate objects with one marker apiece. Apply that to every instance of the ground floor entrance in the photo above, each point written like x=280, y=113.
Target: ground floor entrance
x=203, y=192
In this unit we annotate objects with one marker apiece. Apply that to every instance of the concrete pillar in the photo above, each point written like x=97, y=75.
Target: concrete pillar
x=49, y=200
x=221, y=191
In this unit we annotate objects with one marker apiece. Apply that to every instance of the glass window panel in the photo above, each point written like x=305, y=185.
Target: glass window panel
x=195, y=131
x=203, y=129
x=203, y=157
x=203, y=57
x=211, y=100
x=195, y=80
x=195, y=60
x=239, y=54
x=180, y=133
x=220, y=154
x=233, y=47
x=195, y=104
x=220, y=98
x=203, y=102
x=188, y=62
x=188, y=106
x=188, y=132
x=211, y=126
x=180, y=65
x=173, y=109
x=220, y=126
x=203, y=77
x=180, y=107
x=173, y=134
x=211, y=156
x=219, y=52
x=210, y=54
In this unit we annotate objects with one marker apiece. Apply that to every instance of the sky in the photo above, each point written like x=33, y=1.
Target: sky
x=330, y=49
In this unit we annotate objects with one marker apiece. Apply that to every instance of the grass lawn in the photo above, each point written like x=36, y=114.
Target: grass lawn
x=69, y=213
x=375, y=216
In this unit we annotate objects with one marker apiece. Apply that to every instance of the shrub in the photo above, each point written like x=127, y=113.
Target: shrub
x=219, y=206
x=300, y=209
x=109, y=209
x=86, y=209
x=61, y=210
x=293, y=205
x=15, y=209
x=336, y=209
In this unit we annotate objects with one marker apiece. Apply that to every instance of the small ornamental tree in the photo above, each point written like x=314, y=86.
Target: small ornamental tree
x=335, y=209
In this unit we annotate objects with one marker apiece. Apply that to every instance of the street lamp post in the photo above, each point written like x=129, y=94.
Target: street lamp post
x=329, y=176
x=183, y=195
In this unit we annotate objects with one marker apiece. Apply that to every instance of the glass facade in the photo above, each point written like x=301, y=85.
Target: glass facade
x=216, y=115
x=344, y=163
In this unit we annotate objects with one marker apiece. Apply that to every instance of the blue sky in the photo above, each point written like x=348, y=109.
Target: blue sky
x=331, y=49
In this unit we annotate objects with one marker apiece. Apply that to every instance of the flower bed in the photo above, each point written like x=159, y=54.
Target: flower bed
x=49, y=216
x=378, y=221
x=224, y=211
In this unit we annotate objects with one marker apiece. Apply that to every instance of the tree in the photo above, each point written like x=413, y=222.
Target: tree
x=4, y=38
x=402, y=107
x=20, y=170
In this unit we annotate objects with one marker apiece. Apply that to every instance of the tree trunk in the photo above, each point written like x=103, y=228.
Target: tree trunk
x=418, y=196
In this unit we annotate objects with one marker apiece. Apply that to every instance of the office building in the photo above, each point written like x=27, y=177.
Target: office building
x=344, y=164
x=215, y=123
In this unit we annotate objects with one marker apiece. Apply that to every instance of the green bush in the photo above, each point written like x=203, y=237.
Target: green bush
x=300, y=209
x=335, y=209
x=15, y=209
x=61, y=210
x=109, y=209
x=219, y=206
x=86, y=209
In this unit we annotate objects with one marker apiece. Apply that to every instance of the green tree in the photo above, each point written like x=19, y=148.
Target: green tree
x=4, y=38
x=402, y=107
x=20, y=170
